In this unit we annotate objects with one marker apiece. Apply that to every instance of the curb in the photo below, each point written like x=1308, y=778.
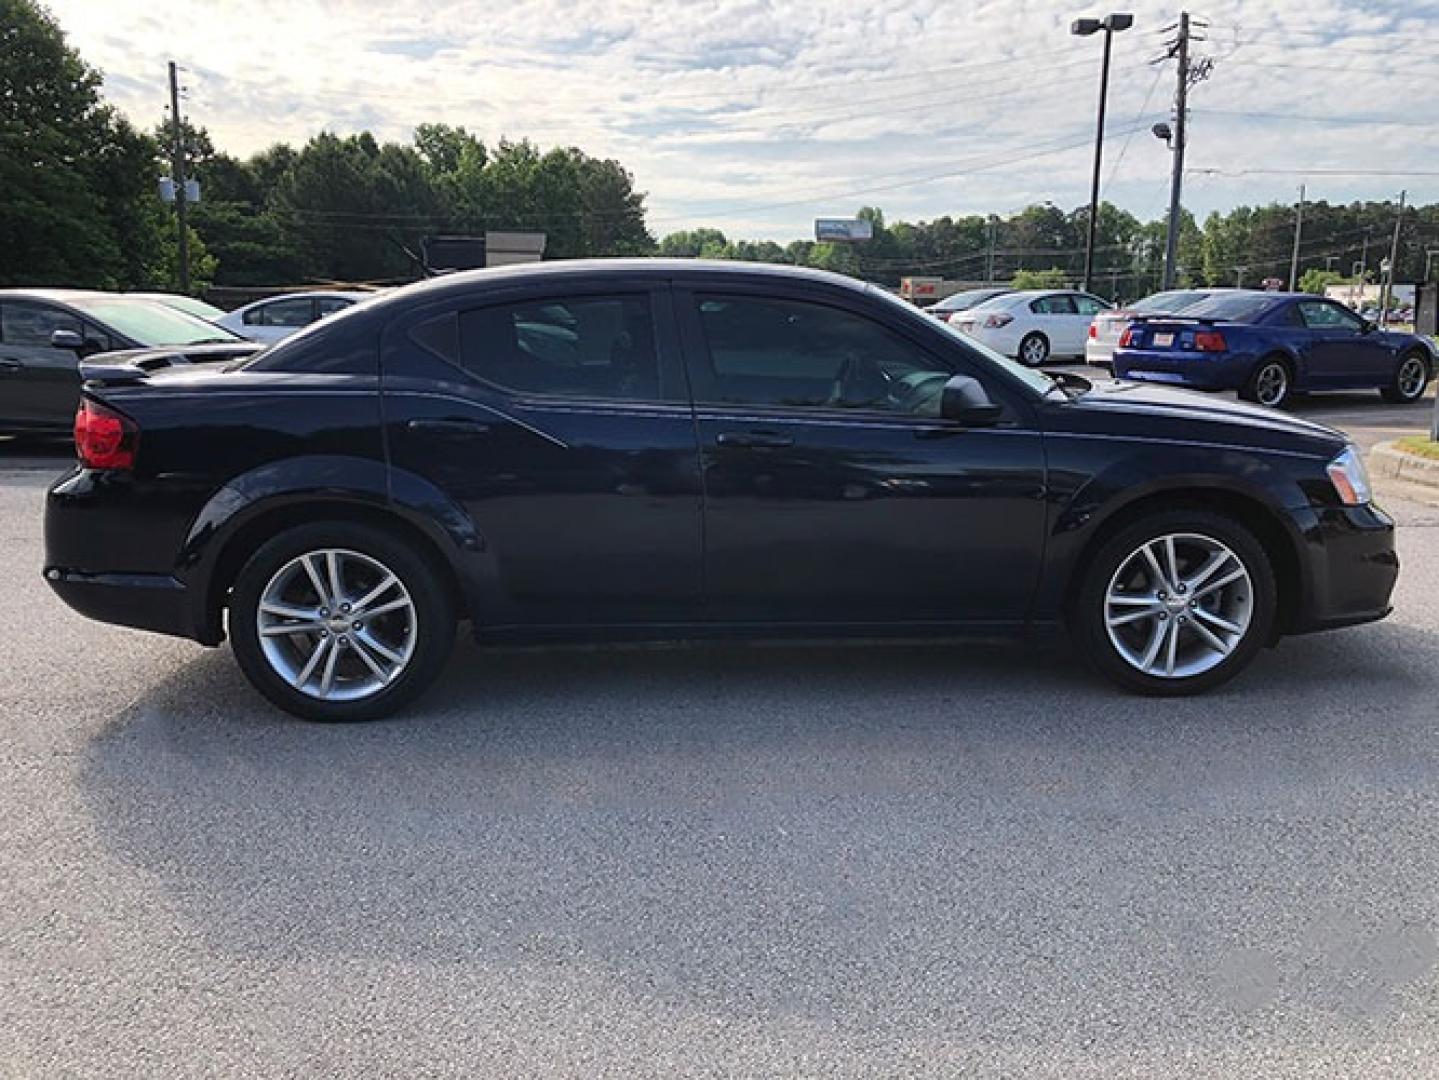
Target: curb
x=1388, y=461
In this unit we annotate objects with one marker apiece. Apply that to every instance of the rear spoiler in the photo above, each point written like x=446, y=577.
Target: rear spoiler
x=128, y=366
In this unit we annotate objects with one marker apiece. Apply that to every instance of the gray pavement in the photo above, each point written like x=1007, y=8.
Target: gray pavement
x=902, y=860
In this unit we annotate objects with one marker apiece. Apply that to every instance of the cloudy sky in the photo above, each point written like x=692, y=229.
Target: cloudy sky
x=757, y=117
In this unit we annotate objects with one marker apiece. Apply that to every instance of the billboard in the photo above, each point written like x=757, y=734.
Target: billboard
x=842, y=230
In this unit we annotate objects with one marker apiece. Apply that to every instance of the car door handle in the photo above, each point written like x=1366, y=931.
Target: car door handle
x=760, y=440
x=448, y=428
x=9, y=363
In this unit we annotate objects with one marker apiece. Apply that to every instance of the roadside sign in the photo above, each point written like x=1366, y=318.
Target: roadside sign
x=842, y=230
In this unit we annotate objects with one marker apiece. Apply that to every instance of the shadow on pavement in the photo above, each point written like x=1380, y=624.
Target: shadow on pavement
x=902, y=830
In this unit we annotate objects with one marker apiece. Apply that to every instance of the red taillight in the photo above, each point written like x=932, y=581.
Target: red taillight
x=1127, y=338
x=1209, y=341
x=104, y=439
x=995, y=322
x=1093, y=330
x=944, y=316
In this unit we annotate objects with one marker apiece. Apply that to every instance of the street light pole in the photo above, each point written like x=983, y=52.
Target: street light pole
x=1111, y=24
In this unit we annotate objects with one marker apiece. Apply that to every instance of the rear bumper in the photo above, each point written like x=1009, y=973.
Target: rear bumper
x=1197, y=371
x=1351, y=567
x=154, y=602
x=1098, y=353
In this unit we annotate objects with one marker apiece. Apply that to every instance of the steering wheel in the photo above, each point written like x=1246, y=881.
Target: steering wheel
x=860, y=381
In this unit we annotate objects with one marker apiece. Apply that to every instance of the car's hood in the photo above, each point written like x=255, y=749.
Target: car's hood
x=1186, y=406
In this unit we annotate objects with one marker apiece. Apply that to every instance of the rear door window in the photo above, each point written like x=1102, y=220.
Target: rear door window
x=587, y=347
x=1053, y=305
x=294, y=312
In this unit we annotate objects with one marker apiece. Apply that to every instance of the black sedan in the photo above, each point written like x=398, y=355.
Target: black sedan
x=45, y=333
x=632, y=449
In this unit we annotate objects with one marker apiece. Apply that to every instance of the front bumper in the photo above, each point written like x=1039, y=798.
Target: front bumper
x=1350, y=567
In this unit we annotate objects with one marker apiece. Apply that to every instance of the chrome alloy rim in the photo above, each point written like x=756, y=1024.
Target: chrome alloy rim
x=336, y=625
x=1272, y=383
x=1411, y=377
x=1034, y=351
x=1178, y=605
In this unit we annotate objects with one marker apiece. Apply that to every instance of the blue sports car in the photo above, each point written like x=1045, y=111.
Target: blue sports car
x=1271, y=345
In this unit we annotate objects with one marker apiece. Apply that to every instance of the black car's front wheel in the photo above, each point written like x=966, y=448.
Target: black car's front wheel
x=339, y=621
x=1176, y=603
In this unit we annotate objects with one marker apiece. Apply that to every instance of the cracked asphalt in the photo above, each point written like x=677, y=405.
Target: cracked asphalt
x=802, y=860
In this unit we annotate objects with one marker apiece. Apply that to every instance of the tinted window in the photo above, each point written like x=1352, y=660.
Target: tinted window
x=787, y=352
x=1053, y=305
x=593, y=346
x=295, y=312
x=1089, y=305
x=1168, y=302
x=1232, y=307
x=1319, y=315
x=328, y=305
x=28, y=325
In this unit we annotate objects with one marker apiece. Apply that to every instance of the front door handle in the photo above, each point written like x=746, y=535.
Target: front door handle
x=763, y=440
x=448, y=428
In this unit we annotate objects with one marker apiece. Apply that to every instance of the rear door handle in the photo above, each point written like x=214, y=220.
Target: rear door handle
x=754, y=439
x=448, y=428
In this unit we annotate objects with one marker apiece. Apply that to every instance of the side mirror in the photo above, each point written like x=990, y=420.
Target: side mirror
x=966, y=402
x=1369, y=326
x=66, y=339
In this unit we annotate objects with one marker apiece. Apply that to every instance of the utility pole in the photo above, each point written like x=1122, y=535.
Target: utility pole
x=177, y=167
x=1388, y=289
x=1298, y=226
x=1329, y=261
x=991, y=229
x=1239, y=276
x=1429, y=254
x=1189, y=73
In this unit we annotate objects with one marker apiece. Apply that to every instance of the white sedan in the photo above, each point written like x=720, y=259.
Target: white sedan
x=1034, y=324
x=277, y=317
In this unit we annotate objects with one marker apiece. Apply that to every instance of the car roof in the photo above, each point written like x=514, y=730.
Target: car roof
x=60, y=296
x=319, y=294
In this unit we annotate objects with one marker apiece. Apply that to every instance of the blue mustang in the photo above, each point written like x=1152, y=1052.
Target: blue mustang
x=1271, y=345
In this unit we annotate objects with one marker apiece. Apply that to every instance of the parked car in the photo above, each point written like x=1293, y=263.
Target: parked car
x=1033, y=324
x=45, y=332
x=639, y=448
x=190, y=305
x=1106, y=328
x=947, y=308
x=277, y=317
x=1271, y=345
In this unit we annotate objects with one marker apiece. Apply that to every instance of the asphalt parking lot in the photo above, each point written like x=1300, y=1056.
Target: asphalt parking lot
x=900, y=860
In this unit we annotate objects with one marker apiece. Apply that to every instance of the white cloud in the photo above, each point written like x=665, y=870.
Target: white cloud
x=757, y=117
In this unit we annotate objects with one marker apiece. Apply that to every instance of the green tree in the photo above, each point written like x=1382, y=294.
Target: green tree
x=1316, y=281
x=1053, y=278
x=77, y=180
x=689, y=244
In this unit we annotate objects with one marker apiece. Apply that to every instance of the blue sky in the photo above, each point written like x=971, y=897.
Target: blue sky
x=756, y=118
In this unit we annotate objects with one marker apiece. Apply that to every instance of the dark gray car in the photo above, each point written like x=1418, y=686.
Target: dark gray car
x=44, y=333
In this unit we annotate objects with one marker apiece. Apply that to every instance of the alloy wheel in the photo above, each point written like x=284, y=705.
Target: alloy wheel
x=1272, y=384
x=336, y=624
x=1178, y=605
x=1033, y=351
x=1412, y=377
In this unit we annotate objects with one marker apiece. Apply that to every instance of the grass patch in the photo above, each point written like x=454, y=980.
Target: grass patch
x=1418, y=444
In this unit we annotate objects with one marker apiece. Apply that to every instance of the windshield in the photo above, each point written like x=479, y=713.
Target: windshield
x=1231, y=307
x=148, y=322
x=1035, y=380
x=1167, y=302
x=190, y=306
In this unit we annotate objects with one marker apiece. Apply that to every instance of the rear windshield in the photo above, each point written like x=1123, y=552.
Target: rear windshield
x=151, y=323
x=1163, y=303
x=1233, y=307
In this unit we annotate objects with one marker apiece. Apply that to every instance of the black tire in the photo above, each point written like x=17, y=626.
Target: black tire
x=1270, y=373
x=1033, y=349
x=1405, y=373
x=433, y=622
x=1089, y=614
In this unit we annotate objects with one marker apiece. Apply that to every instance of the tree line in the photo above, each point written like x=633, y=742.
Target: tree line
x=79, y=207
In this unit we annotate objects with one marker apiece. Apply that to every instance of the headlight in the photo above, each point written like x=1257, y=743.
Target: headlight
x=1350, y=480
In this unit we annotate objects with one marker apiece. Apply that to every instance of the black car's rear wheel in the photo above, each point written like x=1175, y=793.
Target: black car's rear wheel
x=1176, y=603
x=1411, y=378
x=339, y=621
